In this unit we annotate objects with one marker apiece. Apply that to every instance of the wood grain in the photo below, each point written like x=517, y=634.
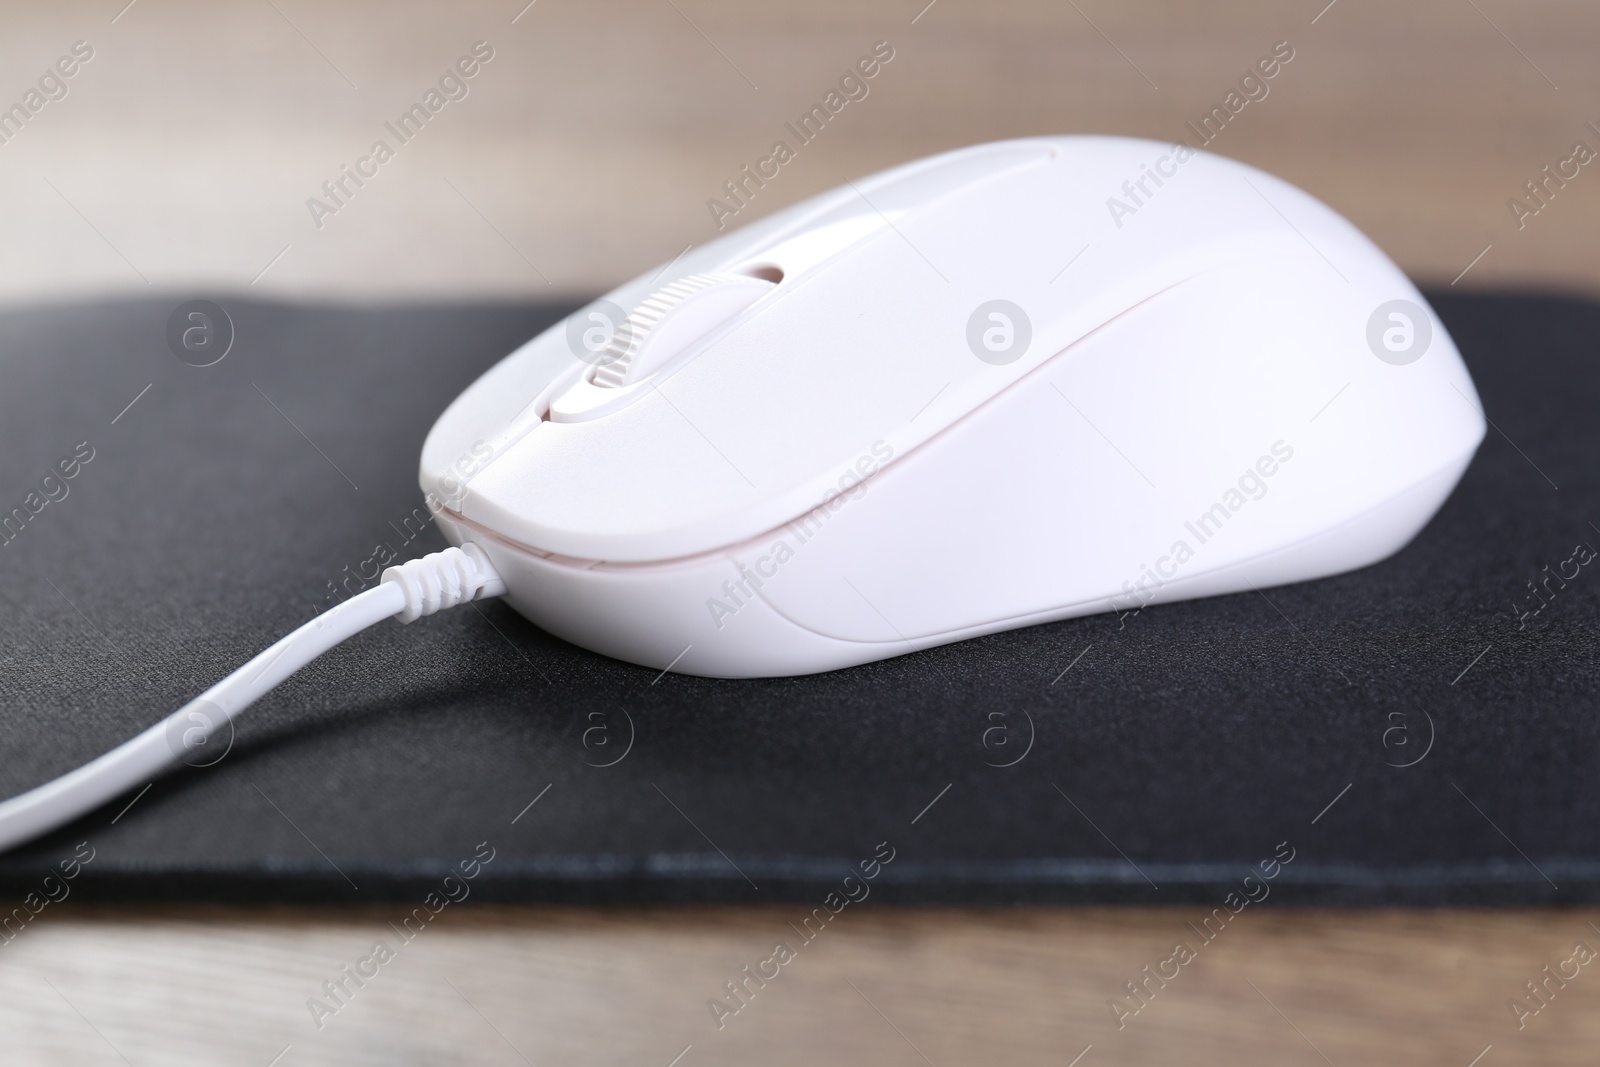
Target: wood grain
x=1026, y=986
x=188, y=149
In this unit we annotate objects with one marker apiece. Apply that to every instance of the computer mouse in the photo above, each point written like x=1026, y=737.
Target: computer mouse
x=997, y=387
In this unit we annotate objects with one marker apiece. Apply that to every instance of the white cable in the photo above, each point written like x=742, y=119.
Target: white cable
x=408, y=592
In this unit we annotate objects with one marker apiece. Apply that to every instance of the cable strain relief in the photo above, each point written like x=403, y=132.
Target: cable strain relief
x=443, y=580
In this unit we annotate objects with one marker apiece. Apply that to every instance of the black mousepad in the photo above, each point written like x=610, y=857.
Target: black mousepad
x=1419, y=731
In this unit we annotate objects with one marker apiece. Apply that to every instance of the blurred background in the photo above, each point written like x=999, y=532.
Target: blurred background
x=186, y=154
x=186, y=149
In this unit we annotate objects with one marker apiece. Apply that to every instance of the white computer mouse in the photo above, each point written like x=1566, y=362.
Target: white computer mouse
x=1002, y=386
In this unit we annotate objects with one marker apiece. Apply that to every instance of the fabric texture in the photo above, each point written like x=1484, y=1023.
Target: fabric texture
x=1160, y=758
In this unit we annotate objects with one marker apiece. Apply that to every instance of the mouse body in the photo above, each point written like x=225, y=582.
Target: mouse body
x=1006, y=385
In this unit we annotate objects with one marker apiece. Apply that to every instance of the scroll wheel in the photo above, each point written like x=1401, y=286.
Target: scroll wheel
x=671, y=319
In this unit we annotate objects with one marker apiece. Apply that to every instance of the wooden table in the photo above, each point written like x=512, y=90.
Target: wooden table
x=884, y=985
x=183, y=158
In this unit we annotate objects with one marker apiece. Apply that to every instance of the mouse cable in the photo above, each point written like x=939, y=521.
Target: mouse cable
x=407, y=593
